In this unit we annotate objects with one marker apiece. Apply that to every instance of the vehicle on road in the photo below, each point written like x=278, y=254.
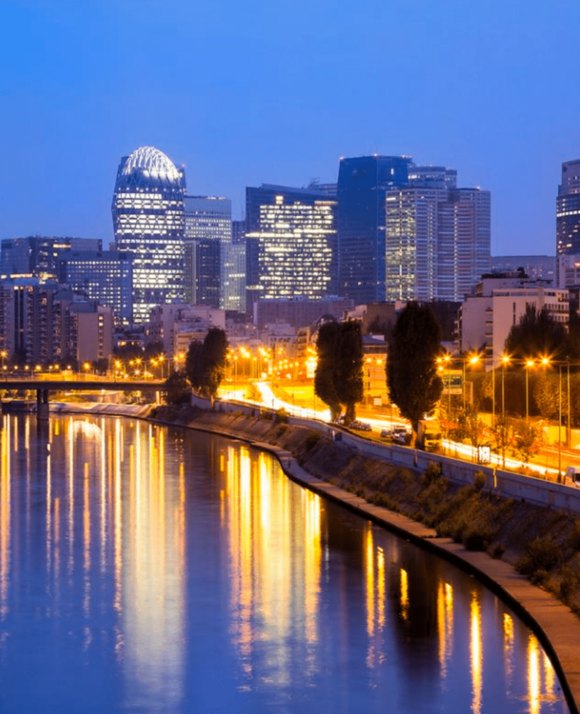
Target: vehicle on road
x=360, y=425
x=573, y=475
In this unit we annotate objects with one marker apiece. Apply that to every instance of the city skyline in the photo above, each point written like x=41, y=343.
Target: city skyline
x=225, y=91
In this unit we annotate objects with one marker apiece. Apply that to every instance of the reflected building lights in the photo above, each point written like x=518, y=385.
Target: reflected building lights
x=476, y=653
x=5, y=503
x=404, y=594
x=445, y=624
x=534, y=680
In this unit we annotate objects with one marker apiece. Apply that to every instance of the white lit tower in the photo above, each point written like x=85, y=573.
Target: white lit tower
x=148, y=220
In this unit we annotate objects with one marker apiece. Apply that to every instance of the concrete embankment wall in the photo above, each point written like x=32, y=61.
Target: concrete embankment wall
x=502, y=483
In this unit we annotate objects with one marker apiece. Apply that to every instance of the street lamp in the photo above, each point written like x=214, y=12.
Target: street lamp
x=529, y=363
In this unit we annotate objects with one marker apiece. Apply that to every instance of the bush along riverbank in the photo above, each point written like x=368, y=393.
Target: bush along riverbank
x=541, y=543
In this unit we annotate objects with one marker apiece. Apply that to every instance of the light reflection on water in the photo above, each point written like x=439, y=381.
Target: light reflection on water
x=146, y=569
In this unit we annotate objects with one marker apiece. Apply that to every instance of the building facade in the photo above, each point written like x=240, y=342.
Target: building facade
x=497, y=304
x=406, y=232
x=568, y=209
x=361, y=223
x=290, y=243
x=148, y=220
x=38, y=256
x=103, y=276
x=208, y=236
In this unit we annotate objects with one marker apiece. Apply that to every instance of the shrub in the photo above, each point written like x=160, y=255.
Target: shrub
x=541, y=556
x=478, y=480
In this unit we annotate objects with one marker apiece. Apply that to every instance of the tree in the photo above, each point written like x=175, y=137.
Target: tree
x=349, y=368
x=414, y=385
x=324, y=377
x=537, y=333
x=178, y=389
x=338, y=380
x=547, y=397
x=206, y=362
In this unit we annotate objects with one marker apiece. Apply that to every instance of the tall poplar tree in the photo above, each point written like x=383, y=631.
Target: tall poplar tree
x=414, y=385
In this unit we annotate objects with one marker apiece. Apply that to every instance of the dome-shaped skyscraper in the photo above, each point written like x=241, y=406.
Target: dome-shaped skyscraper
x=149, y=224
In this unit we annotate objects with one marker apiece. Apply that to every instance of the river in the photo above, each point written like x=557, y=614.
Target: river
x=148, y=569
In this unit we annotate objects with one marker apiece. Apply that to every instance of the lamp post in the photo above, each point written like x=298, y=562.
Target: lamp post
x=560, y=423
x=529, y=364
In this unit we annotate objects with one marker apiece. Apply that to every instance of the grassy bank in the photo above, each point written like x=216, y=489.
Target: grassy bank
x=541, y=543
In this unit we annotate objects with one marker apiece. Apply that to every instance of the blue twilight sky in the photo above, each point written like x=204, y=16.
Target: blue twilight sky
x=250, y=91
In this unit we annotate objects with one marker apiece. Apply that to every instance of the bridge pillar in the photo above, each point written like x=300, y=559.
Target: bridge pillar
x=42, y=404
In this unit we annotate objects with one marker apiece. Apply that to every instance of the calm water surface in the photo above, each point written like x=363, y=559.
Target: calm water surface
x=144, y=569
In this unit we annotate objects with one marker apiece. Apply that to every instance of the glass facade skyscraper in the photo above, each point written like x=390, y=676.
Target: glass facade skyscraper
x=208, y=235
x=568, y=210
x=406, y=232
x=362, y=185
x=148, y=220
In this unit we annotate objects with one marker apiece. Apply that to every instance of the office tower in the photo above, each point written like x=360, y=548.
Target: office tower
x=406, y=232
x=568, y=210
x=208, y=234
x=104, y=276
x=149, y=225
x=234, y=270
x=362, y=185
x=437, y=237
x=290, y=243
x=38, y=256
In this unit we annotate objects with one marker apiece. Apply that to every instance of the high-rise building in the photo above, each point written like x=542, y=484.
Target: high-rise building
x=406, y=232
x=104, y=276
x=208, y=235
x=148, y=220
x=437, y=237
x=38, y=256
x=568, y=210
x=362, y=185
x=290, y=243
x=42, y=323
x=234, y=270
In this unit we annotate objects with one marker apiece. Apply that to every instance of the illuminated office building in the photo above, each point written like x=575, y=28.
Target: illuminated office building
x=437, y=237
x=103, y=276
x=290, y=243
x=148, y=220
x=568, y=210
x=208, y=237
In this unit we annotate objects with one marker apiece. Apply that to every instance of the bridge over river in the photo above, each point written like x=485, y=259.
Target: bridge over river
x=44, y=385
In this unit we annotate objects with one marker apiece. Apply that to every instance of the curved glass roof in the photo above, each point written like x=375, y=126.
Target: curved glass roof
x=152, y=163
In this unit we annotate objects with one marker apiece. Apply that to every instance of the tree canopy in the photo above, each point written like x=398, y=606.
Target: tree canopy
x=414, y=385
x=537, y=333
x=206, y=362
x=338, y=380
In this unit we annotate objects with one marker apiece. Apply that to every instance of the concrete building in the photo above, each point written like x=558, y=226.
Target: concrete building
x=299, y=311
x=176, y=325
x=498, y=303
x=45, y=324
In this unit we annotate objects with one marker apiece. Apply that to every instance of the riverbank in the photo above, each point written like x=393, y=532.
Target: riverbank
x=479, y=532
